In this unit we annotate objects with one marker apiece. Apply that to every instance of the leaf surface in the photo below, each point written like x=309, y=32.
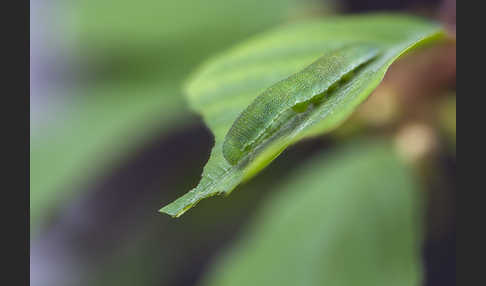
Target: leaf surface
x=231, y=86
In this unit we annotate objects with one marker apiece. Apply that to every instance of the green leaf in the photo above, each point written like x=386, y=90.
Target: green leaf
x=168, y=35
x=107, y=123
x=350, y=218
x=230, y=85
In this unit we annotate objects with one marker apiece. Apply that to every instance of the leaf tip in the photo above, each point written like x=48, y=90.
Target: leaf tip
x=167, y=210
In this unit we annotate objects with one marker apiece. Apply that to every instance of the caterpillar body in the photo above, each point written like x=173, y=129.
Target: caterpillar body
x=291, y=96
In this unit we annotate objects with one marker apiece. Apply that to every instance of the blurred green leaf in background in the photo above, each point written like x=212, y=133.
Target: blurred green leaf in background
x=348, y=218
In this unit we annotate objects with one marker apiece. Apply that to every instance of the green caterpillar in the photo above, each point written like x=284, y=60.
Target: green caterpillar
x=291, y=96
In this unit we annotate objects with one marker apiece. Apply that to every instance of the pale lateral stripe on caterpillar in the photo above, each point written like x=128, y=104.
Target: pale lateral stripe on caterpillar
x=294, y=93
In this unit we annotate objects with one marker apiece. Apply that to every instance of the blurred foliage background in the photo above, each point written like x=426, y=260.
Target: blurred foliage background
x=112, y=140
